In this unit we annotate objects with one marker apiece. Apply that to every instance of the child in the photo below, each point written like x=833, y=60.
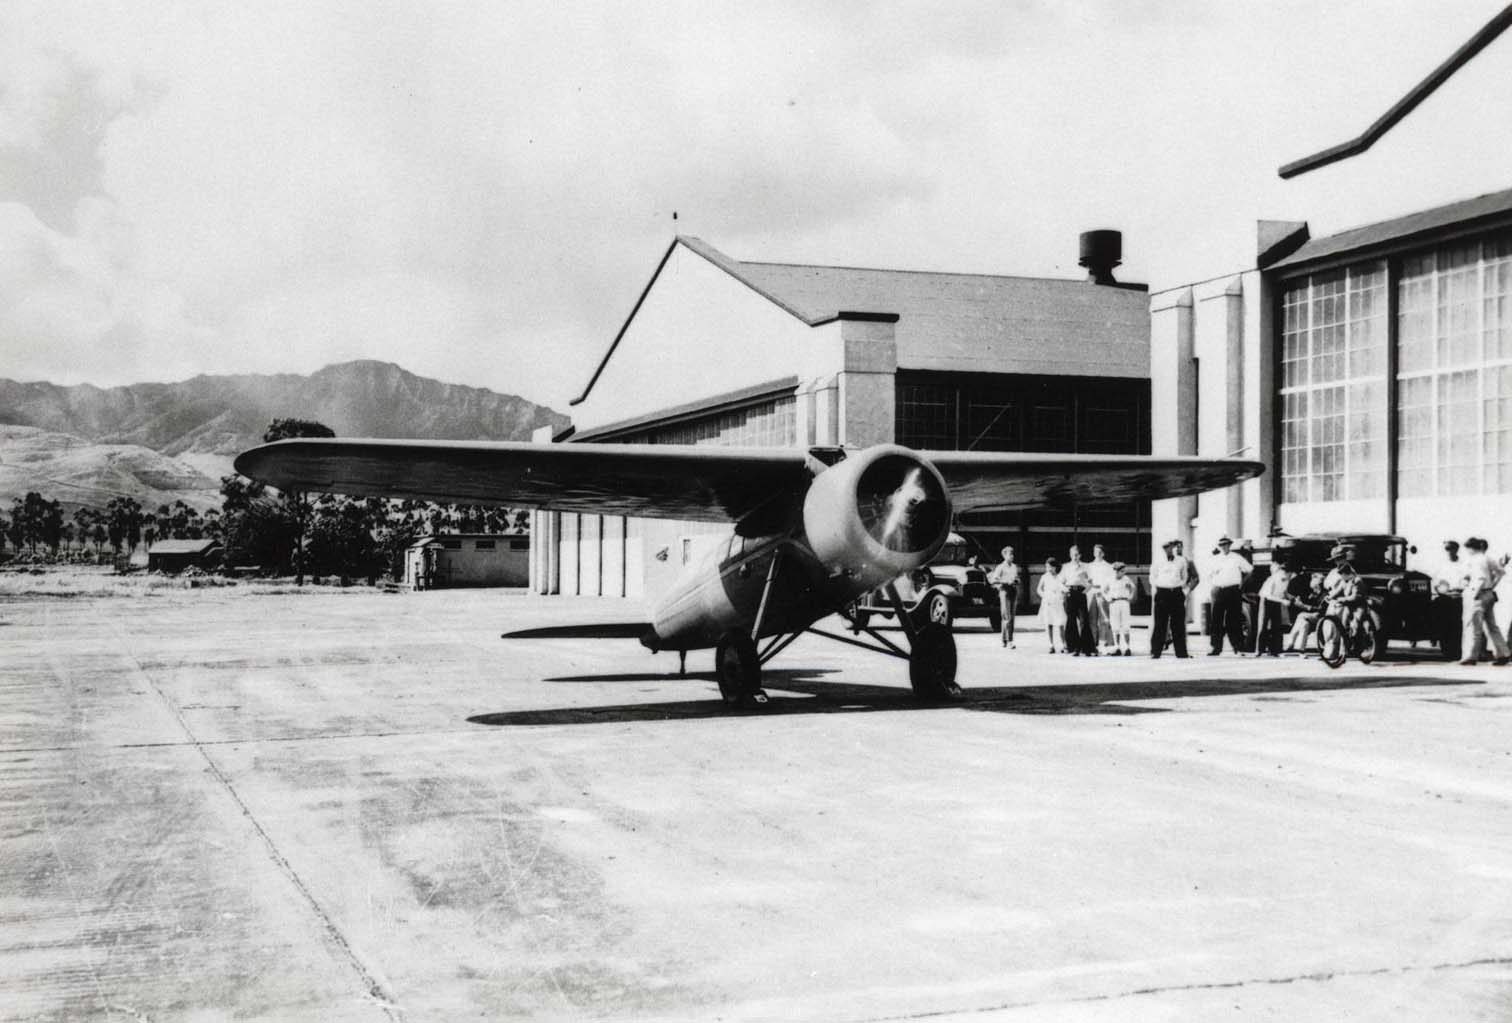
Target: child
x=1120, y=593
x=1309, y=608
x=1269, y=612
x=1052, y=595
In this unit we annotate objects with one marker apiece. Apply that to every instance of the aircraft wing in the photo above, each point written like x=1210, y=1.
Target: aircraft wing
x=1010, y=479
x=710, y=483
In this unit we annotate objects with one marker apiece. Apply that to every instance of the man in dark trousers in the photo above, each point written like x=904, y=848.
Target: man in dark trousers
x=1226, y=575
x=1168, y=577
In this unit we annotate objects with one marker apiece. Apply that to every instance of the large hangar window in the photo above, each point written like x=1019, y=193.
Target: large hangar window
x=1022, y=412
x=1333, y=386
x=769, y=423
x=1449, y=390
x=1454, y=373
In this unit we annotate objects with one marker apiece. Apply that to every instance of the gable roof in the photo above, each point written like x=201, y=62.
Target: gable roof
x=182, y=546
x=945, y=308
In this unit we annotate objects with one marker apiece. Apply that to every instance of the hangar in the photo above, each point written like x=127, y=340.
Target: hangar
x=725, y=351
x=1370, y=367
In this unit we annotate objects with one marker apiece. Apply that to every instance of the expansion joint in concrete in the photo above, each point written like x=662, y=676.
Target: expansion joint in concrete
x=373, y=986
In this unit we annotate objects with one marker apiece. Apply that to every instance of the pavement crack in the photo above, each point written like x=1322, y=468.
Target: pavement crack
x=1316, y=977
x=375, y=990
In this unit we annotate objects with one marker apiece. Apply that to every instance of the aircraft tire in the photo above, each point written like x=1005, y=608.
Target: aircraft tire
x=738, y=669
x=932, y=664
x=859, y=620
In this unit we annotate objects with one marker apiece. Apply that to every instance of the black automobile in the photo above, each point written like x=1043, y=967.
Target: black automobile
x=953, y=585
x=1401, y=598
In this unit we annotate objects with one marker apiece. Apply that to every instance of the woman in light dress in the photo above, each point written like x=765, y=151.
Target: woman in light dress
x=1052, y=596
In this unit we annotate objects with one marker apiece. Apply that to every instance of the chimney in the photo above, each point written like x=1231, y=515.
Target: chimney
x=1101, y=251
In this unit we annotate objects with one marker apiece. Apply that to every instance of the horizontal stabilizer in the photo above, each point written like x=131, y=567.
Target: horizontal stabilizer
x=599, y=630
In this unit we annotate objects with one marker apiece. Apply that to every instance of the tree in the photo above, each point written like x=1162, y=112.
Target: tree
x=123, y=517
x=283, y=429
x=256, y=528
x=51, y=519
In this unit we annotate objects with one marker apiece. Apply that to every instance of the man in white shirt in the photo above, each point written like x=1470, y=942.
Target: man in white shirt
x=1079, y=638
x=1168, y=577
x=1481, y=578
x=1005, y=577
x=1226, y=575
x=1448, y=600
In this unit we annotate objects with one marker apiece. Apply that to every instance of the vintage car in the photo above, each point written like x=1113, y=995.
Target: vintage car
x=1400, y=598
x=953, y=585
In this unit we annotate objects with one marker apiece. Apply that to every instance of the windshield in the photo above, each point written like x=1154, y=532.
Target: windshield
x=1383, y=555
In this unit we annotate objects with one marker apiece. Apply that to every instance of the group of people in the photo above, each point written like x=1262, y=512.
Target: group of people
x=1470, y=582
x=1085, y=605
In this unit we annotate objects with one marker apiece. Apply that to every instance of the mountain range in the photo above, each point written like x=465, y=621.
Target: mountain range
x=158, y=443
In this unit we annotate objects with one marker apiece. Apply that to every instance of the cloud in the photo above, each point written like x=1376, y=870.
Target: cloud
x=206, y=187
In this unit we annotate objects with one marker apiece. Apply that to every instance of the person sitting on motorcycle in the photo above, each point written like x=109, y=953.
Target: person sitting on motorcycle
x=1345, y=589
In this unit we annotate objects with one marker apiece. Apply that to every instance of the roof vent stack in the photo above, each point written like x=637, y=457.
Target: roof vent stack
x=1101, y=251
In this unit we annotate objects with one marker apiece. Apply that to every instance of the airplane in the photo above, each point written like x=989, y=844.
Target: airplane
x=813, y=529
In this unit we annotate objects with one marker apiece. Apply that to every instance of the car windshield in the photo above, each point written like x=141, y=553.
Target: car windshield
x=1384, y=555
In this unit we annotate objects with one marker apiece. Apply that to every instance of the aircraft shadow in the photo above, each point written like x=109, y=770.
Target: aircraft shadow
x=793, y=694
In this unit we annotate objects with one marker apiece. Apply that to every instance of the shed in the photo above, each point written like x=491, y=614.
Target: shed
x=467, y=559
x=173, y=556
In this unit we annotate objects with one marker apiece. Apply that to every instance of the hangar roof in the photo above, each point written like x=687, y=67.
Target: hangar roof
x=1437, y=224
x=941, y=310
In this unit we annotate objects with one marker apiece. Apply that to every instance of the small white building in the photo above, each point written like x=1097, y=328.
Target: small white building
x=446, y=561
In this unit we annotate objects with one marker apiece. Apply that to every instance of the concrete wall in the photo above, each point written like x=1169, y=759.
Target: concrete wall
x=1212, y=393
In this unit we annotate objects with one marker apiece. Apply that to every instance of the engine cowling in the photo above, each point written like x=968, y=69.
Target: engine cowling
x=877, y=514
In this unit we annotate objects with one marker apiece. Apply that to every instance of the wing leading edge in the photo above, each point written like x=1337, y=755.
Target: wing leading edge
x=711, y=484
x=1014, y=480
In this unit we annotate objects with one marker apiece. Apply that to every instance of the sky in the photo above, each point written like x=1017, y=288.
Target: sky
x=480, y=191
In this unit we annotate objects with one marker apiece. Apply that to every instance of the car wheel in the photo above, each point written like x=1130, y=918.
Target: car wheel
x=936, y=609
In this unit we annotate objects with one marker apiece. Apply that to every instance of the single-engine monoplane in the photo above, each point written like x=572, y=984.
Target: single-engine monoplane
x=813, y=530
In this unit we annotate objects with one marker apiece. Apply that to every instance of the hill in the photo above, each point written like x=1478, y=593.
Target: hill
x=161, y=442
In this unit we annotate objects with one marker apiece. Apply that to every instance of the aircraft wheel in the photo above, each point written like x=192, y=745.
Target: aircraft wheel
x=935, y=610
x=932, y=663
x=859, y=620
x=739, y=670
x=1331, y=646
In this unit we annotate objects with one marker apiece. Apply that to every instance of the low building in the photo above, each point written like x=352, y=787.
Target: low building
x=453, y=560
x=174, y=556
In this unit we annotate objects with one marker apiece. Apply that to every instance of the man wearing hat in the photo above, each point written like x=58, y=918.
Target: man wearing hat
x=1448, y=589
x=1226, y=575
x=1168, y=577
